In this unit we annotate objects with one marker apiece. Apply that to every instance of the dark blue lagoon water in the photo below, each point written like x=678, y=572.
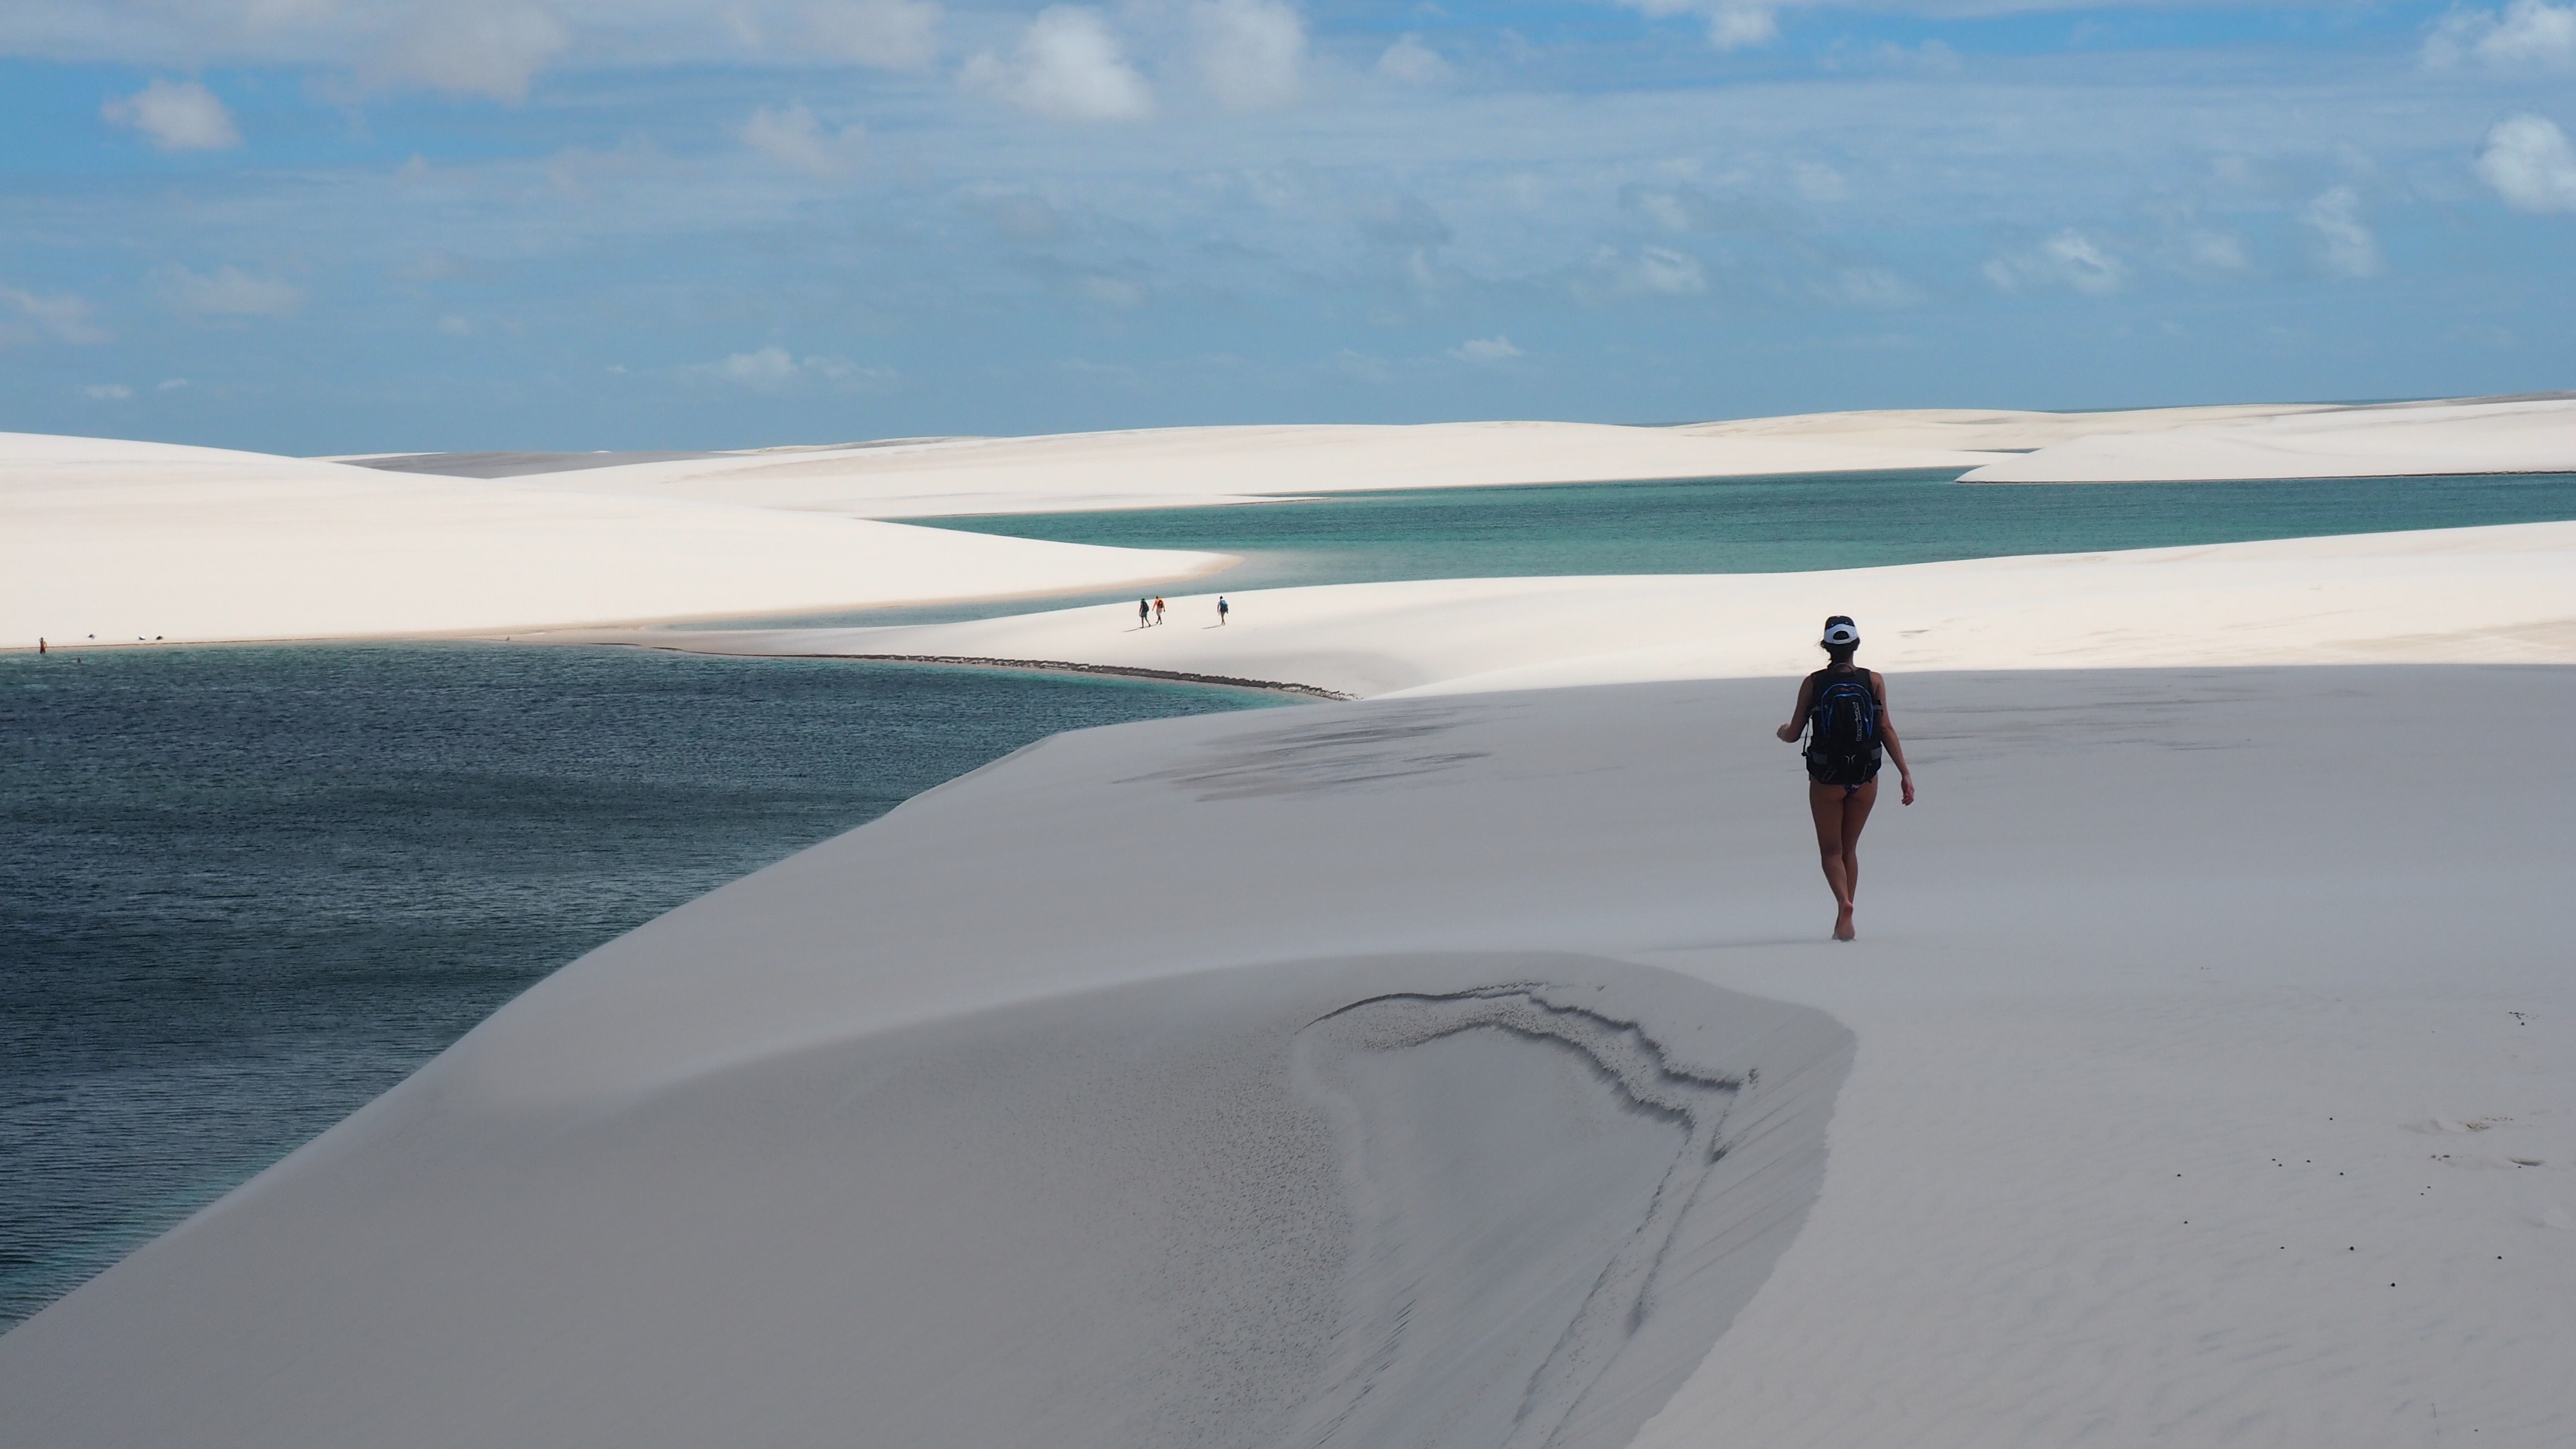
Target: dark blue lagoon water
x=1740, y=525
x=244, y=890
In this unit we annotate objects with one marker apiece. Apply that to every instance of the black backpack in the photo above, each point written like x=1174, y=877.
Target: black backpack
x=1842, y=729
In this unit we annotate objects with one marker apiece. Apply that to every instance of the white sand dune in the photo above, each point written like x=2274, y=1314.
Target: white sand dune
x=2499, y=594
x=118, y=541
x=2501, y=435
x=1347, y=1075
x=1985, y=429
x=1468, y=1072
x=1170, y=467
x=122, y=541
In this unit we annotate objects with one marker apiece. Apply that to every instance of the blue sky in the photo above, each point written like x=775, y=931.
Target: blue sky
x=343, y=225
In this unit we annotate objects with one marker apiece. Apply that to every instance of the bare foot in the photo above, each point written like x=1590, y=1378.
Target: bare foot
x=1843, y=924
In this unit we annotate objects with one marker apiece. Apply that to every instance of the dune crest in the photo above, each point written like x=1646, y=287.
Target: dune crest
x=2533, y=434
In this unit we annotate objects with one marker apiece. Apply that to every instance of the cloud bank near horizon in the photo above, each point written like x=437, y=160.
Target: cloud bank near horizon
x=577, y=223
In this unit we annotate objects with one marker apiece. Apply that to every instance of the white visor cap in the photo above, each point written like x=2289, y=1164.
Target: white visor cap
x=1842, y=634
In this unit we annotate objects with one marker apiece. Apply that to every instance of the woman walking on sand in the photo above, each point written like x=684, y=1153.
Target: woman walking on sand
x=1842, y=709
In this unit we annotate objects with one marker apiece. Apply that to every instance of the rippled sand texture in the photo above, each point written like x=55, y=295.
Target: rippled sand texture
x=1265, y=1206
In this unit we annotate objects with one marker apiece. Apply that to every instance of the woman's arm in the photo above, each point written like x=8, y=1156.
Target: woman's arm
x=1887, y=732
x=1797, y=724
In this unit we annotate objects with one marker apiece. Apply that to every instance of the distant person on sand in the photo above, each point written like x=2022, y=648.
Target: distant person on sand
x=1158, y=608
x=1222, y=608
x=1842, y=709
x=1144, y=613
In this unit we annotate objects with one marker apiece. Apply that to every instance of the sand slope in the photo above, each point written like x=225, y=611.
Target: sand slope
x=1169, y=467
x=1985, y=429
x=125, y=540
x=1176, y=1083
x=2500, y=594
x=2503, y=435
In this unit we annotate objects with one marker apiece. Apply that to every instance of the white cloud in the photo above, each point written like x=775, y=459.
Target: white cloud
x=2530, y=164
x=1735, y=27
x=1109, y=291
x=1931, y=57
x=491, y=50
x=1818, y=182
x=1656, y=271
x=771, y=366
x=1672, y=273
x=1869, y=287
x=846, y=375
x=2237, y=171
x=1732, y=25
x=1414, y=63
x=886, y=34
x=170, y=384
x=228, y=292
x=2188, y=245
x=176, y=116
x=775, y=369
x=258, y=15
x=1485, y=351
x=63, y=317
x=1251, y=53
x=1068, y=66
x=2208, y=250
x=1020, y=215
x=2068, y=259
x=1744, y=205
x=452, y=325
x=1664, y=207
x=793, y=138
x=2528, y=35
x=108, y=391
x=2345, y=246
x=1403, y=223
x=438, y=264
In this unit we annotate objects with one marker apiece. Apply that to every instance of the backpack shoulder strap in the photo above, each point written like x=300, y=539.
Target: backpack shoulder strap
x=1815, y=687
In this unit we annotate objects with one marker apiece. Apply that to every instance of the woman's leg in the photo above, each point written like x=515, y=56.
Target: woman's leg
x=1825, y=803
x=1839, y=816
x=1856, y=807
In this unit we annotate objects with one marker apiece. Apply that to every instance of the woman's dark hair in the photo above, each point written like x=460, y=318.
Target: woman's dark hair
x=1841, y=653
